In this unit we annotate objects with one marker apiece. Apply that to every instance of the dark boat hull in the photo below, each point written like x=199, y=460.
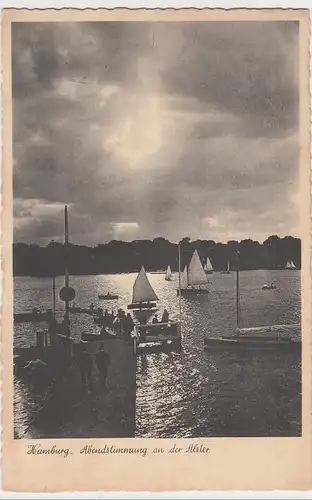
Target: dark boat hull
x=142, y=305
x=192, y=291
x=30, y=317
x=108, y=297
x=256, y=343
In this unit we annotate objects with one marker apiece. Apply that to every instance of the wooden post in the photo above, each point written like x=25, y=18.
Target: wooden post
x=180, y=304
x=53, y=296
x=40, y=338
x=67, y=332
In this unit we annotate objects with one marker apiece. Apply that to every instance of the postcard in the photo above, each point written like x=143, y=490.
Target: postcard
x=156, y=318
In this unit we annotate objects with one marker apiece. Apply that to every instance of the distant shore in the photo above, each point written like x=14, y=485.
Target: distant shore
x=217, y=271
x=118, y=257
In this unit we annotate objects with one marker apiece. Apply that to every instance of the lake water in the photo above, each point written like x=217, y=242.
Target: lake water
x=195, y=393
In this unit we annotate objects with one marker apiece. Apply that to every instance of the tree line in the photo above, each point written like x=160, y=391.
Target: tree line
x=123, y=257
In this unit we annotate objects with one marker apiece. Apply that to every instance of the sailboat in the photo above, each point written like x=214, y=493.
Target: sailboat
x=143, y=295
x=193, y=277
x=148, y=335
x=208, y=267
x=168, y=274
x=227, y=271
x=256, y=338
x=290, y=265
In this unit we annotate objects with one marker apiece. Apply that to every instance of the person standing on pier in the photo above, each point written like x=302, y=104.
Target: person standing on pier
x=85, y=361
x=111, y=319
x=52, y=328
x=165, y=317
x=128, y=326
x=103, y=361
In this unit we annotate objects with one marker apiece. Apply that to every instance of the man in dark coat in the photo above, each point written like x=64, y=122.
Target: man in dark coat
x=103, y=361
x=85, y=362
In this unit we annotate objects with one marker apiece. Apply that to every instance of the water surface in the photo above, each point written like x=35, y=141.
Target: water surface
x=195, y=393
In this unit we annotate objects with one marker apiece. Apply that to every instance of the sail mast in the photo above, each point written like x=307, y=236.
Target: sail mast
x=66, y=272
x=180, y=305
x=237, y=291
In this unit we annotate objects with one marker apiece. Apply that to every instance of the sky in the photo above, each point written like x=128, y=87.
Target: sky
x=144, y=129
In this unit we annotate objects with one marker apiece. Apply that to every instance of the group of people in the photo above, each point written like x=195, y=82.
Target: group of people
x=164, y=318
x=121, y=322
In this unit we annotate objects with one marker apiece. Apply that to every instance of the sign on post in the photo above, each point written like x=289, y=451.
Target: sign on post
x=67, y=294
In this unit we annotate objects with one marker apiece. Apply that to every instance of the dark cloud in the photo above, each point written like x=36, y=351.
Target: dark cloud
x=155, y=129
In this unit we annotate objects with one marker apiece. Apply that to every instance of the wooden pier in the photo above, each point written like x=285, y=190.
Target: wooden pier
x=68, y=412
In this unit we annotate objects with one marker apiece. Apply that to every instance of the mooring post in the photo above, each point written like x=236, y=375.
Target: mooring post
x=40, y=339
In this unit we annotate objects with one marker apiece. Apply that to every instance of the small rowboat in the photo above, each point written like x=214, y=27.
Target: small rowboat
x=96, y=337
x=108, y=296
x=269, y=287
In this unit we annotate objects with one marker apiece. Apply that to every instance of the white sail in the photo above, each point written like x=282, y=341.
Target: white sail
x=142, y=289
x=228, y=267
x=208, y=266
x=184, y=282
x=195, y=273
x=168, y=273
x=292, y=265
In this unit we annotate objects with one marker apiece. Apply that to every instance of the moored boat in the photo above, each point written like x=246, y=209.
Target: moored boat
x=160, y=334
x=255, y=338
x=31, y=317
x=256, y=342
x=146, y=333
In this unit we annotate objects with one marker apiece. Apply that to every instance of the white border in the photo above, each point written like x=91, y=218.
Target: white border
x=110, y=4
